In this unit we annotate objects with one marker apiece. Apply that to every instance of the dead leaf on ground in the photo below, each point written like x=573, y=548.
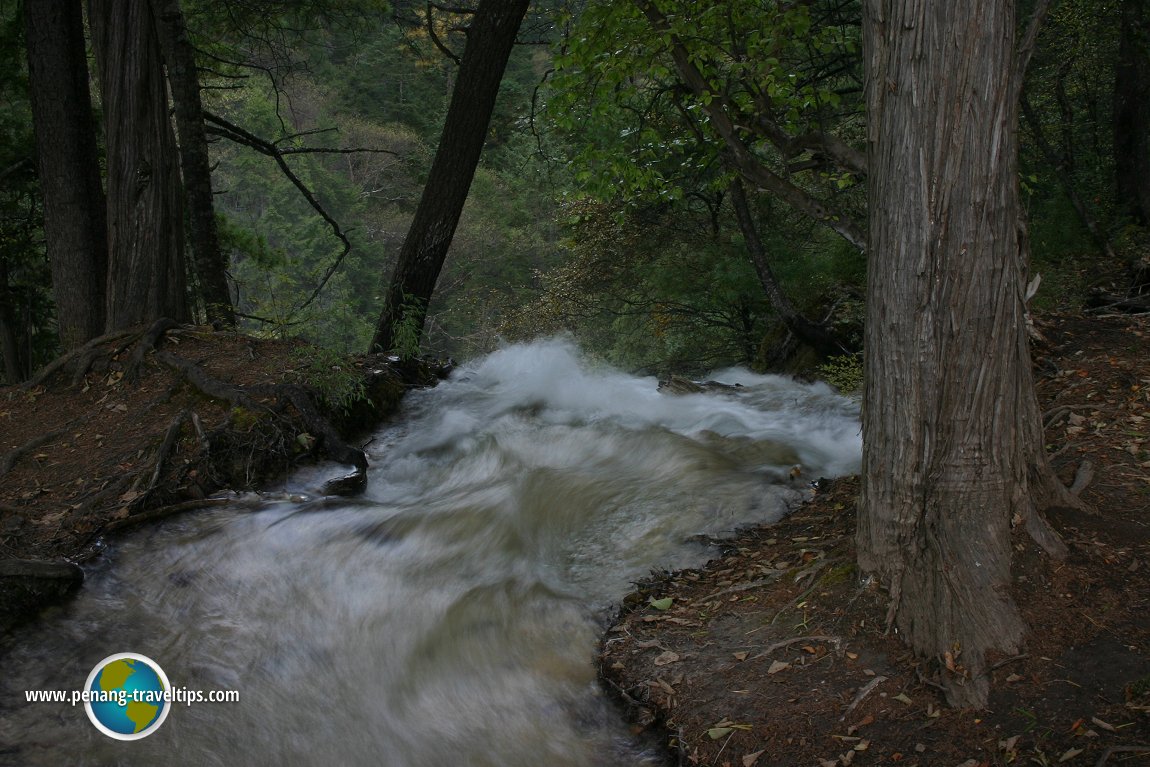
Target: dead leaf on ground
x=665, y=657
x=750, y=759
x=777, y=666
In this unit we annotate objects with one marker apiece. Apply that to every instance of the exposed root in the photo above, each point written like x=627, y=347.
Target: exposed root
x=171, y=437
x=163, y=512
x=15, y=455
x=1083, y=477
x=213, y=387
x=82, y=352
x=147, y=342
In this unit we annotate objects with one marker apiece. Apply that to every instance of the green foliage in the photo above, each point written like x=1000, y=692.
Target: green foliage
x=330, y=375
x=25, y=299
x=407, y=330
x=844, y=372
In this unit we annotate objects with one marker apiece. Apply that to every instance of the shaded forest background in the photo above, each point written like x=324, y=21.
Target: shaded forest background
x=603, y=205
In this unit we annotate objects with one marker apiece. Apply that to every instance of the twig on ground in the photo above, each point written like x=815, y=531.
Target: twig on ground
x=867, y=689
x=1121, y=750
x=745, y=586
x=836, y=641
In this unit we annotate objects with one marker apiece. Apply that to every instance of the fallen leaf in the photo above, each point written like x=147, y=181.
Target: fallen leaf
x=667, y=657
x=903, y=698
x=740, y=656
x=1103, y=725
x=717, y=732
x=750, y=759
x=662, y=604
x=777, y=666
x=1070, y=754
x=852, y=655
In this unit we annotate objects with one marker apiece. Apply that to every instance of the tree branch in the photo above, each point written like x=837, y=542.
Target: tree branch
x=241, y=136
x=1028, y=43
x=743, y=160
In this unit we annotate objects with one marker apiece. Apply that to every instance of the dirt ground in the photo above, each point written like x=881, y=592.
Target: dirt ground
x=777, y=653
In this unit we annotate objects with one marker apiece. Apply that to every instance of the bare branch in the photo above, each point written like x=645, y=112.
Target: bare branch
x=430, y=20
x=1028, y=43
x=241, y=136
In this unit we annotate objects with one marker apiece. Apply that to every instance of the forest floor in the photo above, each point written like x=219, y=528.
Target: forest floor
x=776, y=653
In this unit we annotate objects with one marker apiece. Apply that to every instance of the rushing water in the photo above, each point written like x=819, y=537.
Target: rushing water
x=449, y=617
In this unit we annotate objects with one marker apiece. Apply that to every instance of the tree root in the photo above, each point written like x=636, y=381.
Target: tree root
x=163, y=512
x=86, y=352
x=147, y=342
x=299, y=397
x=15, y=455
x=1083, y=477
x=171, y=437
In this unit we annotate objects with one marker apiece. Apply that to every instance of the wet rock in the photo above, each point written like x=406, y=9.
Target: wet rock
x=348, y=484
x=680, y=385
x=27, y=586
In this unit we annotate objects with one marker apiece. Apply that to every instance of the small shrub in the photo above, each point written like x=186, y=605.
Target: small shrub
x=330, y=375
x=844, y=372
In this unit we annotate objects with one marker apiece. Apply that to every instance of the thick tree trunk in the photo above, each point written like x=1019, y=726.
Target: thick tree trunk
x=146, y=277
x=74, y=225
x=210, y=265
x=15, y=369
x=953, y=449
x=816, y=336
x=489, y=41
x=1132, y=113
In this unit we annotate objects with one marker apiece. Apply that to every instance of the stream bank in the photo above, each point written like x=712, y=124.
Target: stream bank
x=776, y=654
x=150, y=423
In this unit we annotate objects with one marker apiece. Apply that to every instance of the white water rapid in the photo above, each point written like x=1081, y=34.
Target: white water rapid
x=449, y=617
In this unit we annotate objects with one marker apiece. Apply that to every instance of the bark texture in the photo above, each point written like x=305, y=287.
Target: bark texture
x=489, y=41
x=74, y=224
x=145, y=210
x=1132, y=112
x=208, y=260
x=952, y=439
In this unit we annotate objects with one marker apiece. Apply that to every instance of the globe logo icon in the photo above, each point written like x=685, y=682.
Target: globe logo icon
x=126, y=696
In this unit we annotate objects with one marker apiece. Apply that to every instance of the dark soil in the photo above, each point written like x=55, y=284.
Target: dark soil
x=777, y=652
x=141, y=427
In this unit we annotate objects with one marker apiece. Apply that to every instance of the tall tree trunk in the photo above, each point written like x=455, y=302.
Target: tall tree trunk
x=146, y=277
x=1132, y=113
x=952, y=439
x=208, y=261
x=816, y=336
x=489, y=41
x=75, y=232
x=15, y=369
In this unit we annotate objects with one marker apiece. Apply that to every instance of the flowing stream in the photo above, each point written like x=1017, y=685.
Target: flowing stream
x=449, y=616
